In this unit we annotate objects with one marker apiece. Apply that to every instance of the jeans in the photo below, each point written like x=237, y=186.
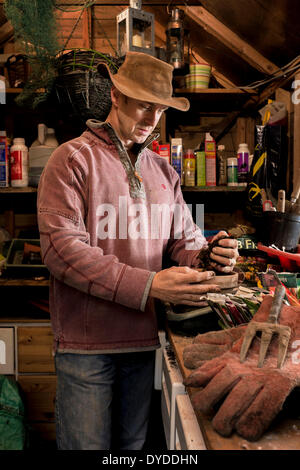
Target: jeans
x=103, y=400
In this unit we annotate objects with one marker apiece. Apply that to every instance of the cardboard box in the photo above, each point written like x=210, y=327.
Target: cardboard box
x=164, y=151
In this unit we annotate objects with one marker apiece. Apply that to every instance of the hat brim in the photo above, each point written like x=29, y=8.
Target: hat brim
x=132, y=91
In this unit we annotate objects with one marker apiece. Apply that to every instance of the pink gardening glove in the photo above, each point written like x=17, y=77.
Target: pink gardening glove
x=253, y=396
x=209, y=345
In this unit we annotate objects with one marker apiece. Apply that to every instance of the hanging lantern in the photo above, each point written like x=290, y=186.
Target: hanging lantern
x=176, y=38
x=135, y=30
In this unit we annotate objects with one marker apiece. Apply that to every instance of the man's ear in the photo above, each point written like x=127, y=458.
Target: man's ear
x=115, y=96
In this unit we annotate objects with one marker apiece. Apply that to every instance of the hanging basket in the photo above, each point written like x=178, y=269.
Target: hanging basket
x=18, y=70
x=83, y=86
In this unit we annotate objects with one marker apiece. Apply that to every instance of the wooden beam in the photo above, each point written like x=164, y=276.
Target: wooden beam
x=86, y=28
x=284, y=96
x=271, y=89
x=214, y=27
x=160, y=33
x=296, y=160
x=254, y=103
x=6, y=32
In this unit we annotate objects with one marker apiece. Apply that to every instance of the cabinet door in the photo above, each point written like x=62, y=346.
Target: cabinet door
x=39, y=395
x=35, y=349
x=39, y=399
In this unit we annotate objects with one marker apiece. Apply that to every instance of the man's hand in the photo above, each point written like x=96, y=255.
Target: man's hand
x=182, y=285
x=225, y=254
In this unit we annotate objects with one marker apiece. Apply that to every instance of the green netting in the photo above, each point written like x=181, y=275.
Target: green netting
x=35, y=28
x=12, y=423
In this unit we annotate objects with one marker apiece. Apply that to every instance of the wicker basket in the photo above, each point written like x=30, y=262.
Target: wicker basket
x=17, y=69
x=83, y=86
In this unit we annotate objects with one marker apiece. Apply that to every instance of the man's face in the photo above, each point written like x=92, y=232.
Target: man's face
x=136, y=119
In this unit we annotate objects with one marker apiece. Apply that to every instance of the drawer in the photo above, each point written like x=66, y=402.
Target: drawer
x=35, y=349
x=7, y=351
x=39, y=396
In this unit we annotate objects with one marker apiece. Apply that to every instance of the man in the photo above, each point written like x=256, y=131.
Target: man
x=109, y=209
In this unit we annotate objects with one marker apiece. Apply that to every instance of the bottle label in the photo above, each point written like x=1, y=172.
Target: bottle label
x=210, y=170
x=243, y=164
x=3, y=163
x=201, y=177
x=16, y=165
x=190, y=164
x=189, y=177
x=232, y=174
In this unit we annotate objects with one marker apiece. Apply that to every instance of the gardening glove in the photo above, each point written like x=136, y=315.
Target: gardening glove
x=209, y=345
x=254, y=396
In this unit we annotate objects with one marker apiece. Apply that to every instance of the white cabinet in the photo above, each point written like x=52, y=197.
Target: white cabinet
x=158, y=360
x=171, y=386
x=188, y=435
x=7, y=351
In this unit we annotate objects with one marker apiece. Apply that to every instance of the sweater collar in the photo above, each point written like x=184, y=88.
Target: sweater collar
x=98, y=126
x=136, y=186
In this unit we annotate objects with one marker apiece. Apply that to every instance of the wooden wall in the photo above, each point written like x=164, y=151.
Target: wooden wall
x=96, y=28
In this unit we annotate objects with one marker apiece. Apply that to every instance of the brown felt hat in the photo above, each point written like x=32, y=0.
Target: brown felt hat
x=147, y=78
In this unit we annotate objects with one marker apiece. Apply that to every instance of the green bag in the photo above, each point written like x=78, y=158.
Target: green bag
x=12, y=421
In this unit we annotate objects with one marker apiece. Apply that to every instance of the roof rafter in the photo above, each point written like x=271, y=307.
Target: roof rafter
x=214, y=27
x=6, y=32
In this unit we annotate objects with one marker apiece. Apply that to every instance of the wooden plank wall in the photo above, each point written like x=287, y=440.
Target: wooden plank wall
x=102, y=29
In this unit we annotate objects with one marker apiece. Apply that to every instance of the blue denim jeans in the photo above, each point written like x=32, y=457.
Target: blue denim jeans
x=103, y=395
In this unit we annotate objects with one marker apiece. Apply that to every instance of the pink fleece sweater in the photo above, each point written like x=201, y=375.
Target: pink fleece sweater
x=99, y=228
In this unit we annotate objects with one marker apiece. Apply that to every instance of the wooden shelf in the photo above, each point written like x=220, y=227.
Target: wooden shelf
x=14, y=90
x=216, y=91
x=11, y=190
x=217, y=99
x=23, y=282
x=214, y=189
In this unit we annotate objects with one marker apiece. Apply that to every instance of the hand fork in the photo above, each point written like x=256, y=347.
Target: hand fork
x=268, y=329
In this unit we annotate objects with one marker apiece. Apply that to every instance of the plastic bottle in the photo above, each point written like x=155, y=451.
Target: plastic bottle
x=19, y=163
x=4, y=160
x=210, y=160
x=155, y=146
x=222, y=164
x=176, y=157
x=189, y=168
x=200, y=159
x=232, y=172
x=243, y=164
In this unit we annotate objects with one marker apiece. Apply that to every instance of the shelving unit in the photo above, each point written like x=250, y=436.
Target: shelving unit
x=218, y=99
x=11, y=190
x=214, y=189
x=4, y=282
x=14, y=90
